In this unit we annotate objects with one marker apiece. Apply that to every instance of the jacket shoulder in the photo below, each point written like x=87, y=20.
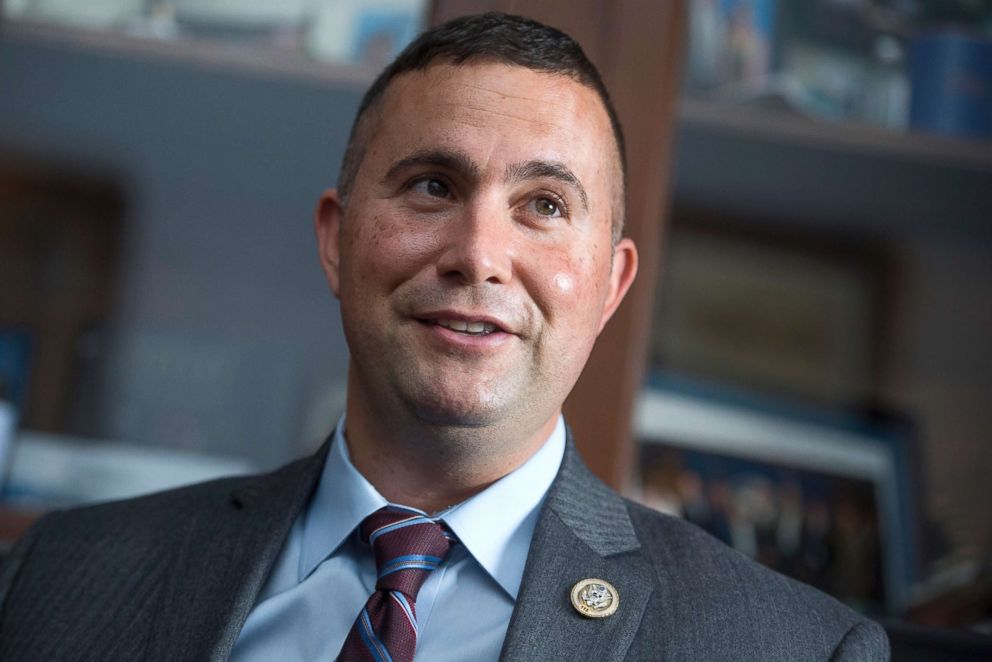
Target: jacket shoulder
x=109, y=531
x=139, y=515
x=107, y=536
x=134, y=566
x=152, y=513
x=724, y=594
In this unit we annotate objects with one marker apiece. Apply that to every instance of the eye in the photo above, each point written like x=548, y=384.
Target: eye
x=431, y=187
x=549, y=207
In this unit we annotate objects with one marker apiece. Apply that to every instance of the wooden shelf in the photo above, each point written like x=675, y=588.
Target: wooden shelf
x=779, y=127
x=788, y=169
x=258, y=61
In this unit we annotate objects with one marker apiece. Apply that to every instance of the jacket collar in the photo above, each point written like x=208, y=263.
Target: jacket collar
x=592, y=511
x=224, y=558
x=584, y=531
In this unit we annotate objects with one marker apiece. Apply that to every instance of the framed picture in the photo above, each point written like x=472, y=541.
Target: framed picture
x=763, y=308
x=826, y=500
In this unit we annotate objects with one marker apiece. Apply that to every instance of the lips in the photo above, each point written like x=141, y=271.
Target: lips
x=474, y=328
x=469, y=324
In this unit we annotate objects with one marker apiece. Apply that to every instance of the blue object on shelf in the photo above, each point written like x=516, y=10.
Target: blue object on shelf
x=952, y=84
x=16, y=355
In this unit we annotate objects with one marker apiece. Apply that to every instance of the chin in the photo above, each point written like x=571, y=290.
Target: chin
x=444, y=415
x=458, y=410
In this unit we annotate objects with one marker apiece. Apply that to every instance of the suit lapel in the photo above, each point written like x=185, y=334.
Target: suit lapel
x=583, y=532
x=225, y=553
x=222, y=560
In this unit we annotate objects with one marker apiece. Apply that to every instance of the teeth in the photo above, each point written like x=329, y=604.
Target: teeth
x=476, y=328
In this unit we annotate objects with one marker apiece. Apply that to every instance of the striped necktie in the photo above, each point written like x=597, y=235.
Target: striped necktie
x=407, y=547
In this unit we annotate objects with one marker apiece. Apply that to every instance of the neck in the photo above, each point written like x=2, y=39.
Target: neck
x=433, y=467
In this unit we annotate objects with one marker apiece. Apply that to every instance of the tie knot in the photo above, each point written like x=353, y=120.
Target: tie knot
x=407, y=547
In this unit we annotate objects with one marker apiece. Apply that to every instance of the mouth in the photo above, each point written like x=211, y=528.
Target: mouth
x=474, y=328
x=464, y=324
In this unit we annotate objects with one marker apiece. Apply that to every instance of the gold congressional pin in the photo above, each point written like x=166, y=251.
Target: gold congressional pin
x=595, y=598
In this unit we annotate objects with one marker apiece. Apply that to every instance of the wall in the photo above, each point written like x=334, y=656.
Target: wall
x=225, y=336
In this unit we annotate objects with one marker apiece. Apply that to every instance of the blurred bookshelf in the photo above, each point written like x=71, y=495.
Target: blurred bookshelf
x=202, y=53
x=331, y=41
x=849, y=138
x=871, y=114
x=827, y=175
x=830, y=225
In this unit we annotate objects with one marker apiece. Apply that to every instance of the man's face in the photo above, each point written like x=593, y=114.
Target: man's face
x=473, y=261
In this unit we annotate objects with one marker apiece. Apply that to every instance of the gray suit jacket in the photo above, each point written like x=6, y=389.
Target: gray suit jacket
x=172, y=576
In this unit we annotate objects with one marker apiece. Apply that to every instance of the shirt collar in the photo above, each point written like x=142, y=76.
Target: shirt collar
x=495, y=526
x=342, y=500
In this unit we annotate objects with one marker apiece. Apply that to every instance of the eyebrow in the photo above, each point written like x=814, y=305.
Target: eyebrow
x=537, y=169
x=454, y=161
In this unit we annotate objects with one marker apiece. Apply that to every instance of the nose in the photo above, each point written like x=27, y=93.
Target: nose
x=478, y=246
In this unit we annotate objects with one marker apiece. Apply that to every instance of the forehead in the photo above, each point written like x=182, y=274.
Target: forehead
x=497, y=114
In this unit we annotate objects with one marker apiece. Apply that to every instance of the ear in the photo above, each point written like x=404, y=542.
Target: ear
x=621, y=277
x=327, y=223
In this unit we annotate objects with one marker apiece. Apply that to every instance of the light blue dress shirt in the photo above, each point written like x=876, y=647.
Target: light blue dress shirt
x=324, y=574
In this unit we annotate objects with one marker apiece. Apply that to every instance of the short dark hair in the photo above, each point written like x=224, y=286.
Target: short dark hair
x=490, y=37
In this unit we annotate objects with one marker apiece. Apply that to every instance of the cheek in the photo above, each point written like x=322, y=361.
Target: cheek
x=573, y=292
x=387, y=252
x=572, y=284
x=564, y=283
x=574, y=298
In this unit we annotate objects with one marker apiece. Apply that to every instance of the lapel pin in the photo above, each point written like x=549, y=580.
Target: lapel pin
x=595, y=598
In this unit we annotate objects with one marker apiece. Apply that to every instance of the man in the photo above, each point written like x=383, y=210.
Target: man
x=475, y=245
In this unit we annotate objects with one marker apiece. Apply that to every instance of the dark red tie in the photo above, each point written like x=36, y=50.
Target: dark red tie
x=407, y=547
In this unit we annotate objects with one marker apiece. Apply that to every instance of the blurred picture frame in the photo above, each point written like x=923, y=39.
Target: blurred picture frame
x=61, y=229
x=825, y=498
x=772, y=307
